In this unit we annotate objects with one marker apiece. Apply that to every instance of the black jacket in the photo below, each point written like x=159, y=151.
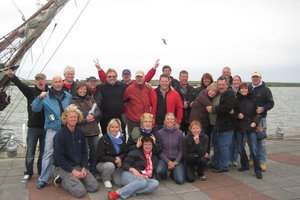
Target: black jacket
x=263, y=97
x=112, y=95
x=189, y=97
x=225, y=121
x=193, y=151
x=35, y=119
x=136, y=159
x=106, y=151
x=246, y=106
x=72, y=90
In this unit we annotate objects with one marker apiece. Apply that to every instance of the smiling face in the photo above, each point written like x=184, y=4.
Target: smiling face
x=244, y=91
x=147, y=124
x=82, y=91
x=236, y=81
x=57, y=83
x=196, y=130
x=170, y=121
x=183, y=78
x=92, y=84
x=112, y=78
x=222, y=85
x=114, y=129
x=206, y=81
x=69, y=77
x=72, y=119
x=164, y=83
x=147, y=146
x=256, y=80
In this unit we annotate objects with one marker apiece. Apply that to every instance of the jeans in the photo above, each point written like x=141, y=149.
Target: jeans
x=262, y=144
x=224, y=142
x=34, y=136
x=47, y=160
x=178, y=171
x=133, y=185
x=233, y=149
x=91, y=148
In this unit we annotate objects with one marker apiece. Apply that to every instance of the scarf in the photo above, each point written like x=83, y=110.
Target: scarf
x=145, y=132
x=149, y=166
x=117, y=141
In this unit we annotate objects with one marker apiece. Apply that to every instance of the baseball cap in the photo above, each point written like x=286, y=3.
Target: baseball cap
x=139, y=73
x=40, y=75
x=126, y=71
x=91, y=78
x=256, y=73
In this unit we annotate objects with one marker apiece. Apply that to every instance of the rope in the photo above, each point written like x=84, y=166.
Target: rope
x=66, y=35
x=6, y=117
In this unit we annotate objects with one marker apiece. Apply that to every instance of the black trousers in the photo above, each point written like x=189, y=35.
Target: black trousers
x=197, y=165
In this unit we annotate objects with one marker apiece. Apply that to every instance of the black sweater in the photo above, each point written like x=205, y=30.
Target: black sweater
x=35, y=119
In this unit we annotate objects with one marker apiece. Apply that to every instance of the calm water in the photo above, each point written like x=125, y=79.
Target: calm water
x=285, y=114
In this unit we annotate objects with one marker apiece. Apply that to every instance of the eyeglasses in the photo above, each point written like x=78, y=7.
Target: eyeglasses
x=111, y=76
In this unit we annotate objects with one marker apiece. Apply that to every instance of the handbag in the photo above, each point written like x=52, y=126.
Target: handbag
x=261, y=132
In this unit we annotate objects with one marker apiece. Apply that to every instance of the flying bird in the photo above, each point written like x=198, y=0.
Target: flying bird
x=164, y=41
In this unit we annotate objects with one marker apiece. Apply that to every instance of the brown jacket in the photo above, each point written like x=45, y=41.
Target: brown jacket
x=85, y=104
x=199, y=111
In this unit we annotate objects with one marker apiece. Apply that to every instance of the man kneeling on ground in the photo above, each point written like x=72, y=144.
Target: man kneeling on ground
x=71, y=157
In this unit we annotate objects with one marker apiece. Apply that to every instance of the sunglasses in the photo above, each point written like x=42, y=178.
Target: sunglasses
x=111, y=76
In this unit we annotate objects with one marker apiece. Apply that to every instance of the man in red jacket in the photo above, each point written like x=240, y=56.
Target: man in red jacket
x=165, y=100
x=137, y=99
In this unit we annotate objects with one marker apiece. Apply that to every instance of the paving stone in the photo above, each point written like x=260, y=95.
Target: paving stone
x=281, y=194
x=194, y=196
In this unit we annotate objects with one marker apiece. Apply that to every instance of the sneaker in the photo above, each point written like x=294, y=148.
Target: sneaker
x=251, y=163
x=263, y=167
x=202, y=178
x=25, y=178
x=107, y=184
x=41, y=184
x=57, y=181
x=112, y=195
x=259, y=176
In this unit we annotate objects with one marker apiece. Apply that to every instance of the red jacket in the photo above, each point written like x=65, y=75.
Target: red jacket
x=173, y=103
x=148, y=76
x=138, y=101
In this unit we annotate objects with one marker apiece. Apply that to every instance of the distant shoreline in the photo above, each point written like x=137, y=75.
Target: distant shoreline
x=193, y=83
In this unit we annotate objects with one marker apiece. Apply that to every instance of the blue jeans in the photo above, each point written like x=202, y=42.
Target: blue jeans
x=47, y=160
x=262, y=144
x=91, y=148
x=34, y=136
x=252, y=141
x=233, y=149
x=178, y=171
x=133, y=185
x=224, y=142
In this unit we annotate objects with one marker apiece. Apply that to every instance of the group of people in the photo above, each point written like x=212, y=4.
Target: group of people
x=148, y=134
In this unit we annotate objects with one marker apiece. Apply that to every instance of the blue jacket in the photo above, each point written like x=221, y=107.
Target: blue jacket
x=51, y=107
x=69, y=149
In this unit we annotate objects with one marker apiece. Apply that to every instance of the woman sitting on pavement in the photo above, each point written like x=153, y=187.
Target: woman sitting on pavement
x=139, y=168
x=146, y=128
x=71, y=157
x=89, y=125
x=171, y=156
x=247, y=122
x=194, y=152
x=111, y=151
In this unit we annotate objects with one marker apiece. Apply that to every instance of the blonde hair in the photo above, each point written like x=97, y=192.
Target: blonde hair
x=146, y=117
x=112, y=121
x=194, y=123
x=111, y=70
x=71, y=108
x=69, y=69
x=170, y=114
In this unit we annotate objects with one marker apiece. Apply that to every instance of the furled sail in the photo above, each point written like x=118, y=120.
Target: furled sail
x=15, y=44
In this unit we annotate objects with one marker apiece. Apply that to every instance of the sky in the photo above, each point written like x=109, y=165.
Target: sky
x=202, y=36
